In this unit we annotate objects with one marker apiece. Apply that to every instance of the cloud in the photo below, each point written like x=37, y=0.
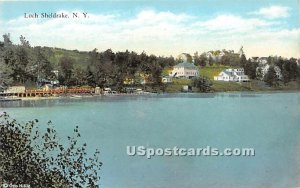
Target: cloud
x=229, y=22
x=151, y=17
x=273, y=12
x=158, y=32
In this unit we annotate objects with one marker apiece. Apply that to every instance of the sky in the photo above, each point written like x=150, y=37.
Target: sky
x=160, y=27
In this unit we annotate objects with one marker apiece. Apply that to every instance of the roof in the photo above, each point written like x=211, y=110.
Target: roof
x=227, y=72
x=186, y=65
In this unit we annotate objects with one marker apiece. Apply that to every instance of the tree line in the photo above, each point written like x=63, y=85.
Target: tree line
x=23, y=64
x=289, y=68
x=33, y=66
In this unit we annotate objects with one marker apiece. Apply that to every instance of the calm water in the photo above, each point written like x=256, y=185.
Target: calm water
x=268, y=122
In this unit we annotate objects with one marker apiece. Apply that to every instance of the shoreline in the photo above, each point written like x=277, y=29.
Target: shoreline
x=78, y=97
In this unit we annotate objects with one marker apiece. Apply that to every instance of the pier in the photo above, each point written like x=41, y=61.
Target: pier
x=49, y=92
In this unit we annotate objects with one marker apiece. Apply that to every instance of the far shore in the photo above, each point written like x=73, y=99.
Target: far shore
x=75, y=96
x=84, y=96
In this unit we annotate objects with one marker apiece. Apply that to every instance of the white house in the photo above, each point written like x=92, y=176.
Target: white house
x=232, y=75
x=263, y=69
x=185, y=70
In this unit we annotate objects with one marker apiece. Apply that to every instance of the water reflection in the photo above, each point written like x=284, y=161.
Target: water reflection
x=118, y=98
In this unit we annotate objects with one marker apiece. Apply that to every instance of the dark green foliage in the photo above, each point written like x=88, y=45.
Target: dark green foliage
x=271, y=77
x=25, y=65
x=202, y=84
x=250, y=68
x=5, y=79
x=210, y=61
x=41, y=68
x=28, y=156
x=230, y=59
x=16, y=60
x=200, y=60
x=288, y=67
x=24, y=42
x=289, y=70
x=80, y=76
x=6, y=40
x=66, y=71
x=243, y=60
x=109, y=69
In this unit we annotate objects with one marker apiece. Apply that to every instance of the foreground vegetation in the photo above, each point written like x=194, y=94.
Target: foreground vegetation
x=30, y=156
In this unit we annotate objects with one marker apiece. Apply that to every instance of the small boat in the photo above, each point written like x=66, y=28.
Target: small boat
x=76, y=96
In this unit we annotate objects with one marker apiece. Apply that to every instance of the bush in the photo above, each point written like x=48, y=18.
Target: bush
x=203, y=84
x=28, y=156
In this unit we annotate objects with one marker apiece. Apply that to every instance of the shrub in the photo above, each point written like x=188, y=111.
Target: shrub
x=29, y=156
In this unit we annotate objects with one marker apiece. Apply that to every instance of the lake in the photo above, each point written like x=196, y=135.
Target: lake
x=267, y=122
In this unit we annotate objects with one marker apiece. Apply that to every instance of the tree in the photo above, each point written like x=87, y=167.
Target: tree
x=24, y=42
x=250, y=69
x=5, y=73
x=271, y=77
x=90, y=76
x=41, y=67
x=29, y=156
x=7, y=42
x=16, y=59
x=66, y=70
x=80, y=76
x=202, y=83
x=200, y=60
x=288, y=69
x=243, y=60
x=210, y=61
x=5, y=78
x=225, y=59
x=293, y=68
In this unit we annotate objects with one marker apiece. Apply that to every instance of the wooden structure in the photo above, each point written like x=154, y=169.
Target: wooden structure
x=50, y=92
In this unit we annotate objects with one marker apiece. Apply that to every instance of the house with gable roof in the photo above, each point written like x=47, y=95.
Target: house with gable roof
x=232, y=75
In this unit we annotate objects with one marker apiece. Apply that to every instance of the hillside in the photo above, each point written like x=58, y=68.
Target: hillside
x=55, y=54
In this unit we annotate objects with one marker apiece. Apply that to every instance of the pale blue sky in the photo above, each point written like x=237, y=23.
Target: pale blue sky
x=266, y=27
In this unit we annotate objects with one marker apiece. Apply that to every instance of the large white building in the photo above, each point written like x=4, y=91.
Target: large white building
x=185, y=70
x=264, y=66
x=232, y=75
x=263, y=69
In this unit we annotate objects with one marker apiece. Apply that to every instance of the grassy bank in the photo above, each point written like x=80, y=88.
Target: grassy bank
x=212, y=71
x=253, y=85
x=177, y=85
x=221, y=86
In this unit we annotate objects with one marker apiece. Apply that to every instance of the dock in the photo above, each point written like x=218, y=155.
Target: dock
x=49, y=92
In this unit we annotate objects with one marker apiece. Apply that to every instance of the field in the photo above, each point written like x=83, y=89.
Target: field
x=212, y=71
x=81, y=58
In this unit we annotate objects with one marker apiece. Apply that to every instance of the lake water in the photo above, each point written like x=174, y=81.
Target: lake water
x=267, y=122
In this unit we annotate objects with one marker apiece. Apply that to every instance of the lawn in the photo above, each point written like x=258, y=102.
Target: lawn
x=220, y=86
x=80, y=58
x=176, y=85
x=212, y=71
